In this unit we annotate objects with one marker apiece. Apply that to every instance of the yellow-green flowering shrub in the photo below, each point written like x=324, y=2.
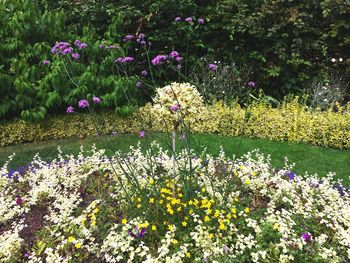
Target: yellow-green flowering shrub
x=290, y=122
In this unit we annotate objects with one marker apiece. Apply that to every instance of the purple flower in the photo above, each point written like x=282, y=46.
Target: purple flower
x=100, y=46
x=142, y=134
x=27, y=255
x=200, y=21
x=83, y=103
x=59, y=47
x=19, y=200
x=174, y=107
x=82, y=46
x=124, y=60
x=306, y=236
x=188, y=19
x=182, y=136
x=68, y=50
x=77, y=43
x=70, y=109
x=212, y=67
x=173, y=54
x=144, y=73
x=143, y=42
x=138, y=84
x=139, y=232
x=128, y=38
x=141, y=36
x=158, y=60
x=178, y=59
x=96, y=99
x=76, y=56
x=177, y=19
x=251, y=84
x=290, y=175
x=46, y=62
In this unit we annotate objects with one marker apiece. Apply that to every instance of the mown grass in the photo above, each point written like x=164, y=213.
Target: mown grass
x=311, y=159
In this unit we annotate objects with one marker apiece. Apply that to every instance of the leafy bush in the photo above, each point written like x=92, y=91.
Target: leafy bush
x=291, y=121
x=132, y=208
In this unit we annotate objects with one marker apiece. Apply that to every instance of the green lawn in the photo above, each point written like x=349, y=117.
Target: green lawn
x=307, y=158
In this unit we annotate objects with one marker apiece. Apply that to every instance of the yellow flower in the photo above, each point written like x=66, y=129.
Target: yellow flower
x=78, y=245
x=154, y=228
x=253, y=173
x=171, y=227
x=93, y=223
x=211, y=235
x=236, y=199
x=96, y=210
x=161, y=201
x=246, y=210
x=222, y=226
x=124, y=221
x=139, y=199
x=184, y=223
x=241, y=167
x=203, y=189
x=138, y=205
x=206, y=218
x=188, y=254
x=179, y=209
x=190, y=202
x=174, y=241
x=151, y=180
x=180, y=195
x=247, y=182
x=208, y=211
x=83, y=220
x=191, y=211
x=276, y=226
x=71, y=239
x=217, y=213
x=151, y=200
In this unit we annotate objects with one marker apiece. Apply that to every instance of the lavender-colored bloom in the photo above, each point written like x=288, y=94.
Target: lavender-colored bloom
x=306, y=236
x=158, y=60
x=173, y=54
x=251, y=84
x=200, y=21
x=141, y=35
x=19, y=200
x=290, y=175
x=142, y=134
x=177, y=19
x=83, y=103
x=77, y=43
x=212, y=67
x=76, y=56
x=128, y=38
x=128, y=59
x=139, y=232
x=46, y=62
x=82, y=46
x=100, y=46
x=59, y=47
x=70, y=109
x=174, y=107
x=27, y=255
x=182, y=136
x=68, y=50
x=144, y=73
x=138, y=84
x=96, y=99
x=188, y=19
x=143, y=42
x=178, y=59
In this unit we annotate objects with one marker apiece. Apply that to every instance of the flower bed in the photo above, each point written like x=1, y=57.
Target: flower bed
x=131, y=208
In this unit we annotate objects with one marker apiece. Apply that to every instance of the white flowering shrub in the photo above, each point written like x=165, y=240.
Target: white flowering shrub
x=83, y=209
x=176, y=101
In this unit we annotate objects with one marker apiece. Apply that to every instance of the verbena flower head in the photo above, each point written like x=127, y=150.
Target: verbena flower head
x=68, y=50
x=124, y=60
x=96, y=99
x=213, y=67
x=138, y=84
x=83, y=103
x=59, y=47
x=173, y=54
x=19, y=200
x=177, y=19
x=139, y=232
x=128, y=38
x=178, y=58
x=46, y=62
x=70, y=109
x=188, y=19
x=100, y=46
x=174, y=107
x=144, y=73
x=82, y=46
x=142, y=134
x=251, y=84
x=75, y=56
x=178, y=66
x=158, y=60
x=200, y=21
x=290, y=175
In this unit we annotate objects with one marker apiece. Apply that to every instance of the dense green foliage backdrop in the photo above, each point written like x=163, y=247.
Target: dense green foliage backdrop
x=282, y=45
